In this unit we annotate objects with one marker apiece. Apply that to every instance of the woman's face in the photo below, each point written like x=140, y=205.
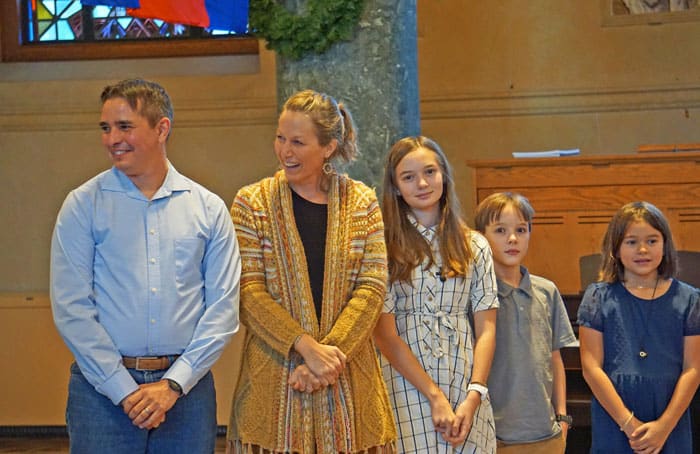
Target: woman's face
x=298, y=150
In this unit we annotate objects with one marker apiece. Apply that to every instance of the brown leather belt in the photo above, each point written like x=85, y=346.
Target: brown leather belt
x=148, y=362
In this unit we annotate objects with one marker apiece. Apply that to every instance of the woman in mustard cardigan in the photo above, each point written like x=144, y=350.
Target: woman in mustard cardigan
x=312, y=288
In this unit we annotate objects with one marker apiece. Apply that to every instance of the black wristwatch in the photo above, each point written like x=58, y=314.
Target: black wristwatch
x=175, y=386
x=565, y=418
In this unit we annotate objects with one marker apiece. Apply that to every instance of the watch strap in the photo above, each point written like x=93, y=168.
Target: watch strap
x=478, y=387
x=175, y=386
x=565, y=418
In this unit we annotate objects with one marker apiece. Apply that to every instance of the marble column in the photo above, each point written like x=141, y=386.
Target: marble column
x=375, y=75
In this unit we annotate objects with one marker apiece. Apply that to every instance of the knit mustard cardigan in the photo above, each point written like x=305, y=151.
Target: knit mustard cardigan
x=354, y=414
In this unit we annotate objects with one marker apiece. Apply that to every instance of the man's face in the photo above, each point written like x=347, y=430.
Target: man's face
x=133, y=146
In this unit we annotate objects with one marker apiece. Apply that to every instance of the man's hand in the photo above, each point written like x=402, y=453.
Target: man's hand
x=147, y=406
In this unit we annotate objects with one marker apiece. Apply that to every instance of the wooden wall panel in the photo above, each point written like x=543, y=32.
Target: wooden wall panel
x=575, y=198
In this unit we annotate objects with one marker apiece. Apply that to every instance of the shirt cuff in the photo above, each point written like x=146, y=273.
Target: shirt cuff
x=183, y=374
x=118, y=386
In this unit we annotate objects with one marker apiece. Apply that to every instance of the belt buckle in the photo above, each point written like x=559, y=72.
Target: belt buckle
x=145, y=358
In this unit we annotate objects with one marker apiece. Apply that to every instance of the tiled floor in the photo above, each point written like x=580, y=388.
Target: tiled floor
x=58, y=445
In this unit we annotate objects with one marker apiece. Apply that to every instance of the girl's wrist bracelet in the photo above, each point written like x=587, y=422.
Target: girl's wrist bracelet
x=622, y=427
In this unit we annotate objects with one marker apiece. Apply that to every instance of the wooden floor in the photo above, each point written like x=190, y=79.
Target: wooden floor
x=58, y=445
x=578, y=444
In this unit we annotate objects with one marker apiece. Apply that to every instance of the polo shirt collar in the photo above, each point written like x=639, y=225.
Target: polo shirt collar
x=525, y=284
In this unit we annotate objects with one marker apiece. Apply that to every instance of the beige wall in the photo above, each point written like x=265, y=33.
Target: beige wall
x=495, y=77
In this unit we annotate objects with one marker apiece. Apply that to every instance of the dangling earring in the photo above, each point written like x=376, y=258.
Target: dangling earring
x=328, y=168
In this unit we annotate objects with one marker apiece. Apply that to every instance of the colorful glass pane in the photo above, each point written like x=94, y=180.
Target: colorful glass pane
x=63, y=20
x=64, y=31
x=42, y=13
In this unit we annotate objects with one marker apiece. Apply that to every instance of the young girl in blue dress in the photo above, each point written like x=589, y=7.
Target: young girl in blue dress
x=640, y=339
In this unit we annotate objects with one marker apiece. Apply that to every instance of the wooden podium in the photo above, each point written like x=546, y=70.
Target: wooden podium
x=575, y=197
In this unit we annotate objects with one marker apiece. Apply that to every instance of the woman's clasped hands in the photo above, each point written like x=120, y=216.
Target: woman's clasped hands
x=322, y=366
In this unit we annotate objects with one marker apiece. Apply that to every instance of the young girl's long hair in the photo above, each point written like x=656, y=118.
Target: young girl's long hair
x=611, y=269
x=406, y=248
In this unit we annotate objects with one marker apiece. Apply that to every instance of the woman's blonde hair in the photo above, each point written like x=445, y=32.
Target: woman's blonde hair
x=406, y=248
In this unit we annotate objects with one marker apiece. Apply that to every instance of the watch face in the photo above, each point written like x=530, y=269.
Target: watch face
x=175, y=386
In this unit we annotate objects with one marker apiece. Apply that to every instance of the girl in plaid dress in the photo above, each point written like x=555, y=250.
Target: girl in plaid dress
x=437, y=331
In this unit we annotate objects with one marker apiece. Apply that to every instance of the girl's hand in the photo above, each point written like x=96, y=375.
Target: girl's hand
x=442, y=414
x=303, y=380
x=650, y=437
x=464, y=417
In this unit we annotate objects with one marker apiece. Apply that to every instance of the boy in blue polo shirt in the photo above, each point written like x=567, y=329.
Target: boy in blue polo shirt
x=527, y=383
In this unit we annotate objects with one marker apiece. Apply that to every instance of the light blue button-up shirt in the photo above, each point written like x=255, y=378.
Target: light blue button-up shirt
x=138, y=277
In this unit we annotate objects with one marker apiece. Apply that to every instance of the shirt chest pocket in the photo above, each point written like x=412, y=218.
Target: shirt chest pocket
x=189, y=258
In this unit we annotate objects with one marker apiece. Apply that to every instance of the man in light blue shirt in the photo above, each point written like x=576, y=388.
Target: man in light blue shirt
x=145, y=274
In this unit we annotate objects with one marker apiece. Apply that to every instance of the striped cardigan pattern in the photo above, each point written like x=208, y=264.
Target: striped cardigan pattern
x=354, y=414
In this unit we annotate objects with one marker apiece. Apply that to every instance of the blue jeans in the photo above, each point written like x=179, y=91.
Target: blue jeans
x=96, y=425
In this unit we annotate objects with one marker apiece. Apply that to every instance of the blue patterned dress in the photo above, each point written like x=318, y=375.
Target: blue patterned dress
x=630, y=324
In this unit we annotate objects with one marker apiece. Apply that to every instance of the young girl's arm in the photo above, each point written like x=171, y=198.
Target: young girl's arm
x=485, y=330
x=592, y=355
x=653, y=434
x=399, y=354
x=559, y=389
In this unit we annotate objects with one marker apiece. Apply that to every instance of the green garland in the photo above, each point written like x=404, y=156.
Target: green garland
x=291, y=35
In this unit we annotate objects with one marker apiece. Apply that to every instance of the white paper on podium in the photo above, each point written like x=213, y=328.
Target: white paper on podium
x=546, y=154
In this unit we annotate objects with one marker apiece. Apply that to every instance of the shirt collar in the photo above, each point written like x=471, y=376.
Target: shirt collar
x=426, y=232
x=116, y=180
x=525, y=284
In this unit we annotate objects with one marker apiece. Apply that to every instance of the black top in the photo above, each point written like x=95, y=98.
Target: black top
x=312, y=222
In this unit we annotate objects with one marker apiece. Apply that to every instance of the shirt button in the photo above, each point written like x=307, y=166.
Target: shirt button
x=153, y=260
x=153, y=321
x=152, y=231
x=430, y=298
x=153, y=289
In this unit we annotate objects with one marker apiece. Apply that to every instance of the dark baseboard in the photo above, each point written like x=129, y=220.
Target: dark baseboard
x=54, y=431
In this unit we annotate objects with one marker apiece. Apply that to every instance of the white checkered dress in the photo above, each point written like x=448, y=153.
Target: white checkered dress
x=432, y=317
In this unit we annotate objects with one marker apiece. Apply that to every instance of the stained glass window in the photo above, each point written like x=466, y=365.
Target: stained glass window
x=69, y=20
x=51, y=30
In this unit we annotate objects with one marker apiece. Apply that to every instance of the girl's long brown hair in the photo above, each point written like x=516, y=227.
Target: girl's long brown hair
x=406, y=248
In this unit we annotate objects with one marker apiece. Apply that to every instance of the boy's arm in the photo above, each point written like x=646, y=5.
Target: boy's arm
x=559, y=389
